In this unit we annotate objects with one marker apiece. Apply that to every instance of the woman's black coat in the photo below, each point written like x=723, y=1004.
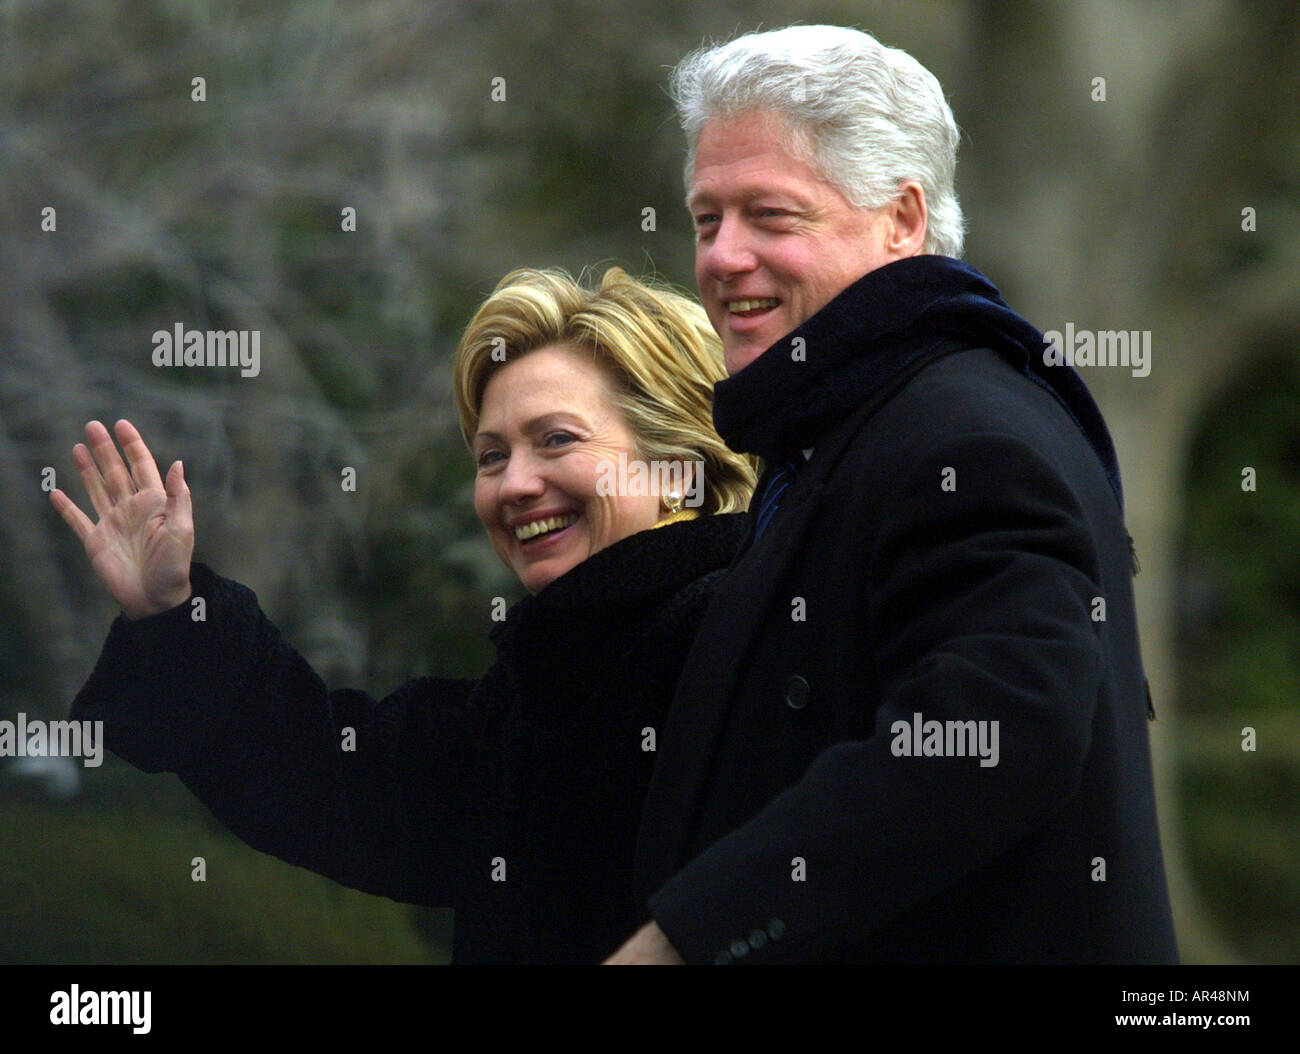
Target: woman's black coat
x=514, y=799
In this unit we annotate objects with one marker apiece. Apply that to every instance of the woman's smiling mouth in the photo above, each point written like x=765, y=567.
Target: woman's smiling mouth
x=548, y=525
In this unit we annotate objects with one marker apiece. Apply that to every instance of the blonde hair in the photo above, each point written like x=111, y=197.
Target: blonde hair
x=656, y=344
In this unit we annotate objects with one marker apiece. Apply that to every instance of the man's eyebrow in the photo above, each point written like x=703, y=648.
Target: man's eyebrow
x=746, y=192
x=697, y=199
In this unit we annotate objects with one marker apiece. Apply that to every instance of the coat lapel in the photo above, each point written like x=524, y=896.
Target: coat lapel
x=708, y=680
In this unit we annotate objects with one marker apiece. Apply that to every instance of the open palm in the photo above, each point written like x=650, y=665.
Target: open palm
x=142, y=544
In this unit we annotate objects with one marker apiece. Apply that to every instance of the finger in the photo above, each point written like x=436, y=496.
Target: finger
x=92, y=480
x=117, y=480
x=180, y=503
x=143, y=468
x=72, y=515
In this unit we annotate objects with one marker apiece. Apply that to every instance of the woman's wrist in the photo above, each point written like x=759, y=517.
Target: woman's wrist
x=167, y=603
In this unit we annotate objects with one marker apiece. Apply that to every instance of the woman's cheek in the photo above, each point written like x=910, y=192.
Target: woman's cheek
x=484, y=506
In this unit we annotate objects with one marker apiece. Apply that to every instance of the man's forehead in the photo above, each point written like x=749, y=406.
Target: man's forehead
x=748, y=154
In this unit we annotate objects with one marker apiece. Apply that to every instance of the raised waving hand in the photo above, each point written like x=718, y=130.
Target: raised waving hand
x=142, y=544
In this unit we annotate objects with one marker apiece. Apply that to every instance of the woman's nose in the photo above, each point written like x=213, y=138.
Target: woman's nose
x=522, y=478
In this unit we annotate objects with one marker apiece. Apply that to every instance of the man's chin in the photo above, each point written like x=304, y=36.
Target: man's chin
x=737, y=358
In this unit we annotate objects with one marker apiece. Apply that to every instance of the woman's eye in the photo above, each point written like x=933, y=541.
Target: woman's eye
x=559, y=439
x=489, y=458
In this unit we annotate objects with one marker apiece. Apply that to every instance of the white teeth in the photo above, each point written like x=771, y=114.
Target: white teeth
x=750, y=305
x=536, y=527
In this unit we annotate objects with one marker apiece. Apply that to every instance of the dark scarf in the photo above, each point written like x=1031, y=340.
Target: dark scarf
x=594, y=611
x=869, y=333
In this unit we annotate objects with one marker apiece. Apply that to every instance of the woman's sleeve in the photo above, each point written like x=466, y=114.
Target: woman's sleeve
x=392, y=796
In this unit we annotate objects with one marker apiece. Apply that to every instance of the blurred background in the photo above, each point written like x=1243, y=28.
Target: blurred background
x=1168, y=205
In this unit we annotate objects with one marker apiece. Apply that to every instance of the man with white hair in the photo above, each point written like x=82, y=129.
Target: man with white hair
x=913, y=725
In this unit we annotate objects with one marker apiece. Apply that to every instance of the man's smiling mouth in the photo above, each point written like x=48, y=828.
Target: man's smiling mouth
x=746, y=308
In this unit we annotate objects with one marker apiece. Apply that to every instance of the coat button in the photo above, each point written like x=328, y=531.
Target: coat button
x=796, y=692
x=757, y=938
x=723, y=958
x=739, y=949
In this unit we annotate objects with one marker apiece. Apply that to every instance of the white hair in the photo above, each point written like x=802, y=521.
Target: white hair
x=864, y=115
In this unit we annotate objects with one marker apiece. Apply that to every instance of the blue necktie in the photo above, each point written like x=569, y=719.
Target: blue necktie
x=778, y=483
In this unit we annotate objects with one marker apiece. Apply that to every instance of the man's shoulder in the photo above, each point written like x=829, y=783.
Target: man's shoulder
x=967, y=393
x=967, y=408
x=978, y=387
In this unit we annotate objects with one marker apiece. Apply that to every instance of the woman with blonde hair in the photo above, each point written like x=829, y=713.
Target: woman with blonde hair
x=515, y=798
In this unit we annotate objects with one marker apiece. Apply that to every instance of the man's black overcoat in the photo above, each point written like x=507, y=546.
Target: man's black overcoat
x=952, y=549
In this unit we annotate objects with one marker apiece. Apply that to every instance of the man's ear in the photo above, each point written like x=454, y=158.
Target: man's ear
x=909, y=221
